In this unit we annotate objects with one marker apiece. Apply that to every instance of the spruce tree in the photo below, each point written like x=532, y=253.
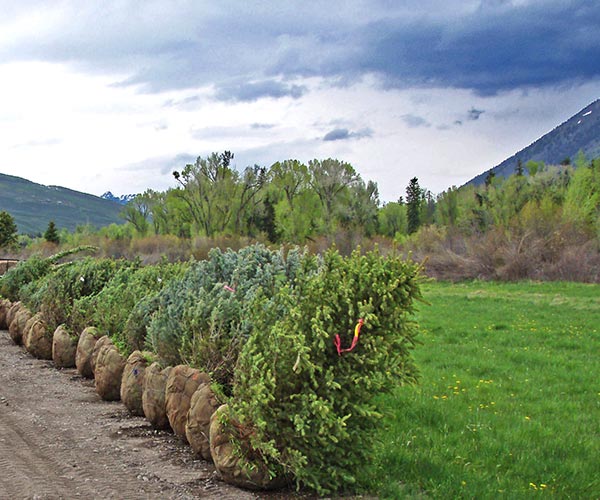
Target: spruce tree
x=51, y=234
x=8, y=230
x=414, y=197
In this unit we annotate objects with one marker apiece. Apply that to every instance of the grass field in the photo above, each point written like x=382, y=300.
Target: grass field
x=509, y=400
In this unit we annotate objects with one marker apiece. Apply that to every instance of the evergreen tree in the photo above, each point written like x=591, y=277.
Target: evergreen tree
x=8, y=230
x=520, y=170
x=414, y=197
x=51, y=234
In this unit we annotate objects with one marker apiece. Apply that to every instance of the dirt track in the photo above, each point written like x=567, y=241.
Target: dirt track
x=58, y=439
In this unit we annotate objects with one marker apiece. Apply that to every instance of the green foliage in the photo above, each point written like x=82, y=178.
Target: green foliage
x=17, y=283
x=414, y=200
x=582, y=200
x=135, y=331
x=312, y=413
x=448, y=207
x=8, y=230
x=110, y=308
x=204, y=318
x=61, y=289
x=28, y=278
x=51, y=234
x=215, y=194
x=332, y=181
x=392, y=220
x=137, y=213
x=533, y=167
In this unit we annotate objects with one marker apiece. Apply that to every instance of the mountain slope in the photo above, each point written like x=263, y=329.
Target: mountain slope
x=34, y=205
x=581, y=132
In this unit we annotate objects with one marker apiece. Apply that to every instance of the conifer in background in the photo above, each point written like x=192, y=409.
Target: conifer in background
x=414, y=197
x=8, y=230
x=51, y=234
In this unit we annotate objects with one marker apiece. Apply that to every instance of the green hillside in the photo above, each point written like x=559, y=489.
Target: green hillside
x=34, y=205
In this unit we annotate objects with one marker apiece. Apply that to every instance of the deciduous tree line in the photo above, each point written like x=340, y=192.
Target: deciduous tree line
x=289, y=201
x=294, y=202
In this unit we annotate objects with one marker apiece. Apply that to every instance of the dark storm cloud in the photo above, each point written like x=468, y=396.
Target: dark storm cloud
x=486, y=46
x=497, y=47
x=342, y=134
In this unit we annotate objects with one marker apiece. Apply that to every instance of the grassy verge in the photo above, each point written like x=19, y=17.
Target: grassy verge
x=509, y=400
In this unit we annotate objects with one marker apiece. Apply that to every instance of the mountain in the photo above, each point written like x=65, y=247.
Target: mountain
x=581, y=132
x=123, y=199
x=34, y=205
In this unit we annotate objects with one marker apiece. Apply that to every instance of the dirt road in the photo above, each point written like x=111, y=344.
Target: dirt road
x=58, y=439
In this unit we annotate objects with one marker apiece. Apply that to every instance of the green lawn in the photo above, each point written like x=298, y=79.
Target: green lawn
x=509, y=400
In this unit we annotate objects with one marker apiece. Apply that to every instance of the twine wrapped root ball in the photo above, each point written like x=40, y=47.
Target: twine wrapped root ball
x=153, y=395
x=64, y=348
x=203, y=404
x=18, y=323
x=132, y=383
x=5, y=305
x=109, y=371
x=102, y=341
x=234, y=469
x=12, y=312
x=37, y=339
x=182, y=383
x=85, y=347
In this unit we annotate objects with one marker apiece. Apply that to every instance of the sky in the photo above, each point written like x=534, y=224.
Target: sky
x=115, y=95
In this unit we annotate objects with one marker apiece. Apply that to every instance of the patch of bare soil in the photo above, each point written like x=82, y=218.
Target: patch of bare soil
x=58, y=440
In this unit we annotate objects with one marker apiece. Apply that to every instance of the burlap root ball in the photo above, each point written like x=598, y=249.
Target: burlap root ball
x=12, y=312
x=109, y=371
x=197, y=429
x=18, y=324
x=132, y=383
x=64, y=348
x=182, y=382
x=153, y=395
x=236, y=470
x=102, y=341
x=85, y=347
x=37, y=339
x=5, y=305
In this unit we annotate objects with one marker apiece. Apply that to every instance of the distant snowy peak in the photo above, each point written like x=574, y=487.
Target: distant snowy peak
x=123, y=199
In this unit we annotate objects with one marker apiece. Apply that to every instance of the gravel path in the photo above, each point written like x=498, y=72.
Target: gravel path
x=58, y=440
